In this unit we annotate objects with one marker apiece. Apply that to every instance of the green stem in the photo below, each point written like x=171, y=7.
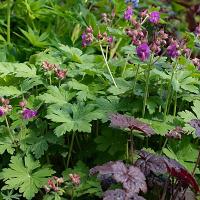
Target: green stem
x=136, y=77
x=125, y=65
x=146, y=87
x=70, y=149
x=132, y=147
x=164, y=145
x=8, y=20
x=169, y=90
x=9, y=131
x=107, y=65
x=175, y=104
x=127, y=150
x=161, y=91
x=196, y=164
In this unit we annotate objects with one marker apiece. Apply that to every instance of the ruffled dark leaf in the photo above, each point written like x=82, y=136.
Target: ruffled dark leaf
x=195, y=123
x=102, y=169
x=124, y=121
x=151, y=163
x=177, y=170
x=131, y=177
x=106, y=181
x=117, y=194
x=137, y=197
x=175, y=133
x=156, y=180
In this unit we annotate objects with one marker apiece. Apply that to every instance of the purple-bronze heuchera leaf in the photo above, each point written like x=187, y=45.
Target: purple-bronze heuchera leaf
x=131, y=177
x=117, y=194
x=151, y=163
x=124, y=121
x=195, y=123
x=177, y=170
x=102, y=169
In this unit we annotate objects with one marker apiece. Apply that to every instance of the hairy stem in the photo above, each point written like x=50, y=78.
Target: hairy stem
x=132, y=146
x=136, y=77
x=146, y=88
x=175, y=104
x=165, y=189
x=124, y=69
x=169, y=90
x=196, y=164
x=70, y=149
x=9, y=131
x=105, y=60
x=8, y=20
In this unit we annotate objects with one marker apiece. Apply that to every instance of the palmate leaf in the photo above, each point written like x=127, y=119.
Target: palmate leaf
x=10, y=195
x=17, y=69
x=6, y=143
x=56, y=95
x=74, y=117
x=29, y=83
x=27, y=175
x=9, y=91
x=190, y=115
x=84, y=91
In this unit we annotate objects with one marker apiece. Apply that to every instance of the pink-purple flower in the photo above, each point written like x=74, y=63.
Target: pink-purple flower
x=2, y=112
x=143, y=51
x=28, y=113
x=128, y=13
x=154, y=17
x=172, y=50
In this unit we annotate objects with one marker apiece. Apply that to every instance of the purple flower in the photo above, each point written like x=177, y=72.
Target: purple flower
x=110, y=39
x=143, y=51
x=172, y=50
x=128, y=13
x=154, y=17
x=84, y=40
x=2, y=112
x=28, y=113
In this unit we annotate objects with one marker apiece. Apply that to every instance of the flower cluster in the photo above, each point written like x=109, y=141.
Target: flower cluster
x=60, y=73
x=6, y=107
x=105, y=38
x=196, y=62
x=105, y=18
x=75, y=179
x=87, y=36
x=160, y=39
x=54, y=184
